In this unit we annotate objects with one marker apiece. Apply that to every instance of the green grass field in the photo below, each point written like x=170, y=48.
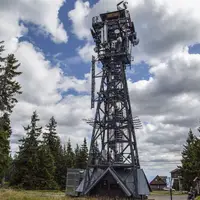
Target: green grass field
x=8, y=194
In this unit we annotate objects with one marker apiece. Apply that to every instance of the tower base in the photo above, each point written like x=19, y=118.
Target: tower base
x=115, y=183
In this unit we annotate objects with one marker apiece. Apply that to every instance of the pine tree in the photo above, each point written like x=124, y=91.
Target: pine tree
x=52, y=140
x=1, y=58
x=60, y=165
x=69, y=155
x=76, y=156
x=190, y=161
x=5, y=132
x=26, y=164
x=83, y=155
x=198, y=155
x=9, y=88
x=50, y=136
x=46, y=170
x=8, y=169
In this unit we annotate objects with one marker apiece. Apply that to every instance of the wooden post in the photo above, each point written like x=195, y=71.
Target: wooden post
x=170, y=185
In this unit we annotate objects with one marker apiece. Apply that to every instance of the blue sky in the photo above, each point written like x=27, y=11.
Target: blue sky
x=67, y=53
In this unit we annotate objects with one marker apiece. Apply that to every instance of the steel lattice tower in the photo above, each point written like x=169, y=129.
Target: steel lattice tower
x=113, y=162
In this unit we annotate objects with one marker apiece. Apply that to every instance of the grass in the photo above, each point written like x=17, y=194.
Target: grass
x=8, y=194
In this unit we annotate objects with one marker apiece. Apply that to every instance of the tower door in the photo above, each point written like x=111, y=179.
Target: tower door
x=108, y=186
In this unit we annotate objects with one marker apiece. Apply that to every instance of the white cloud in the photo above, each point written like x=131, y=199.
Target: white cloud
x=42, y=86
x=174, y=81
x=78, y=16
x=36, y=71
x=39, y=12
x=76, y=84
x=69, y=113
x=86, y=52
x=170, y=104
x=163, y=26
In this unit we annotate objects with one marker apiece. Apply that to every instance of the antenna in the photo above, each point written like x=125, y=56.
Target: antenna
x=115, y=171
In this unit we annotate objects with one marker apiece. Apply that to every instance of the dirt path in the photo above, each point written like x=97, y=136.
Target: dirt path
x=166, y=197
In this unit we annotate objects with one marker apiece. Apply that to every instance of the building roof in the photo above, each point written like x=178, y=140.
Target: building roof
x=164, y=178
x=122, y=185
x=175, y=170
x=143, y=184
x=159, y=180
x=126, y=182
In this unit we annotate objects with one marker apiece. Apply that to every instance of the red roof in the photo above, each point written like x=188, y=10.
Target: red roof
x=158, y=181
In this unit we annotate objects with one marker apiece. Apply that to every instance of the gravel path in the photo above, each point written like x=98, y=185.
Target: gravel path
x=165, y=197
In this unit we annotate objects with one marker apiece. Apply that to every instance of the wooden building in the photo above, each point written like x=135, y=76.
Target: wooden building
x=158, y=183
x=175, y=173
x=176, y=176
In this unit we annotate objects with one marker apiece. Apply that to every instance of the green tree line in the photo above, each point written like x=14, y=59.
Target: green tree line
x=42, y=161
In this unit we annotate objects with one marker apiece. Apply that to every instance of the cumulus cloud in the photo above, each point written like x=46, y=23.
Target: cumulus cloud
x=69, y=113
x=39, y=12
x=174, y=85
x=162, y=26
x=42, y=86
x=169, y=103
x=77, y=16
x=86, y=52
x=36, y=70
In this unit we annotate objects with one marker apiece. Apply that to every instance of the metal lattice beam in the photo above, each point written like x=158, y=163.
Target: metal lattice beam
x=113, y=144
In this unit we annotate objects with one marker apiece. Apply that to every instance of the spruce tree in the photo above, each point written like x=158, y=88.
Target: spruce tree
x=46, y=170
x=52, y=140
x=61, y=166
x=198, y=155
x=83, y=156
x=5, y=132
x=76, y=156
x=26, y=164
x=69, y=155
x=50, y=136
x=190, y=161
x=9, y=88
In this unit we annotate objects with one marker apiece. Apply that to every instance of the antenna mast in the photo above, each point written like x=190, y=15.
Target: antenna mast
x=113, y=165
